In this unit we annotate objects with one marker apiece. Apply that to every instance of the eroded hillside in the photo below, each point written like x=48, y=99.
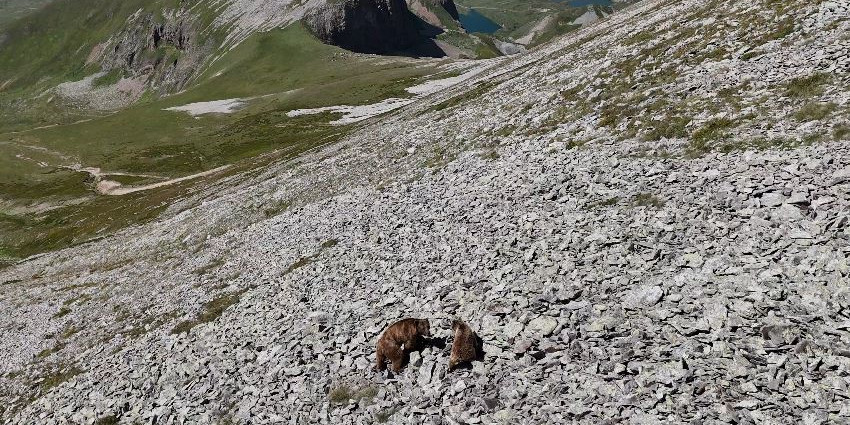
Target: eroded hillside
x=645, y=221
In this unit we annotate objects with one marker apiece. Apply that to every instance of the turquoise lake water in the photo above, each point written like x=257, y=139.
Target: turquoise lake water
x=473, y=21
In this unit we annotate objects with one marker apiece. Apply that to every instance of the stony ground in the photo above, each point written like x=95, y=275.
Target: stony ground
x=646, y=222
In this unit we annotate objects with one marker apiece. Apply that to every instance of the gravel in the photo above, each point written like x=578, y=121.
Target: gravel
x=623, y=279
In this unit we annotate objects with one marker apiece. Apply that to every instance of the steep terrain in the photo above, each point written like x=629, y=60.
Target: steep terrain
x=369, y=26
x=645, y=220
x=90, y=107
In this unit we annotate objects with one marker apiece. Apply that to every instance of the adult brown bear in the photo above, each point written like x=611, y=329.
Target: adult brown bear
x=403, y=336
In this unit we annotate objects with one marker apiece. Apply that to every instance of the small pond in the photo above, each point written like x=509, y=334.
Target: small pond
x=473, y=21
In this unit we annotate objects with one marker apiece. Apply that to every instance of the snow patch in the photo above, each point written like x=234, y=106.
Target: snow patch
x=225, y=106
x=434, y=86
x=353, y=114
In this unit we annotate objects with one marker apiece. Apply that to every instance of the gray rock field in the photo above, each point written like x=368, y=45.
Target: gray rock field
x=646, y=222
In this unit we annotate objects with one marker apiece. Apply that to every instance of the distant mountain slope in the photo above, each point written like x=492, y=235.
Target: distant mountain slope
x=12, y=10
x=533, y=22
x=164, y=43
x=94, y=91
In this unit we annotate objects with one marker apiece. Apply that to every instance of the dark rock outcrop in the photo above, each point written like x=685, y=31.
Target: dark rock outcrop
x=448, y=5
x=365, y=26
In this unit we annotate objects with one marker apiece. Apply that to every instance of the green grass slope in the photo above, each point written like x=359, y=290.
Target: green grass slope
x=13, y=10
x=274, y=72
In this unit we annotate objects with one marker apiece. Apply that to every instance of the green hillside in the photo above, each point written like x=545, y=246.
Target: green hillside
x=274, y=72
x=12, y=10
x=48, y=200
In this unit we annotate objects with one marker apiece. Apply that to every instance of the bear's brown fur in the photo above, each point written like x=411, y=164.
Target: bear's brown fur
x=466, y=346
x=400, y=338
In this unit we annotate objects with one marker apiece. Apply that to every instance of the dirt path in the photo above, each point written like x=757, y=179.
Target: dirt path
x=113, y=188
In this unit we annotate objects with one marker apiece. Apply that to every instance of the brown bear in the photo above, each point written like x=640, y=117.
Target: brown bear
x=401, y=338
x=466, y=347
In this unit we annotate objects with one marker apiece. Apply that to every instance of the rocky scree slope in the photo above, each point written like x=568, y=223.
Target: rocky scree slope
x=618, y=269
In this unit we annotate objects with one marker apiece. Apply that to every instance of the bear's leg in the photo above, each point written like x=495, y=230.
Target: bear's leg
x=380, y=359
x=396, y=355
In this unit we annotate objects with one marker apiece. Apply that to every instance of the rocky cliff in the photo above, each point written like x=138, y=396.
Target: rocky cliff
x=164, y=51
x=447, y=5
x=366, y=26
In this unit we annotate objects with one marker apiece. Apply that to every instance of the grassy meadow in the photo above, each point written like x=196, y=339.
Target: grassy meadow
x=45, y=206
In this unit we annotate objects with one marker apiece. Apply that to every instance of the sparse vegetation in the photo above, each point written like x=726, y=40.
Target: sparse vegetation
x=107, y=79
x=440, y=156
x=505, y=131
x=384, y=416
x=783, y=29
x=750, y=55
x=59, y=376
x=668, y=128
x=607, y=202
x=212, y=265
x=63, y=311
x=301, y=262
x=574, y=143
x=211, y=311
x=759, y=144
x=276, y=208
x=6, y=258
x=473, y=93
x=90, y=284
x=647, y=200
x=807, y=87
x=69, y=332
x=707, y=136
x=491, y=154
x=340, y=395
x=343, y=393
x=108, y=420
x=840, y=132
x=814, y=111
x=43, y=354
x=642, y=37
